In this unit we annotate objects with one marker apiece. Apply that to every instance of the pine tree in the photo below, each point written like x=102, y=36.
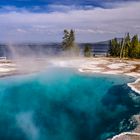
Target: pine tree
x=69, y=44
x=114, y=49
x=127, y=44
x=68, y=39
x=87, y=50
x=65, y=42
x=135, y=41
x=71, y=39
x=134, y=47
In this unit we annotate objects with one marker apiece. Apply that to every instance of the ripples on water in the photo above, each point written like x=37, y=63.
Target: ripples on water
x=62, y=104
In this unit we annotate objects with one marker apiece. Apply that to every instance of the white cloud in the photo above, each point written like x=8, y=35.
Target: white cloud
x=92, y=24
x=21, y=30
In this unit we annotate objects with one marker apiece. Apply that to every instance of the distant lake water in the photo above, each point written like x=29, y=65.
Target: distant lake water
x=63, y=104
x=44, y=50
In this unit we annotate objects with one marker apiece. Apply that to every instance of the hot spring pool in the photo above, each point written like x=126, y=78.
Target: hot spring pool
x=62, y=104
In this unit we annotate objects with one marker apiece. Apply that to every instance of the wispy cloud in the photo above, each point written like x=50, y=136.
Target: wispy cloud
x=91, y=24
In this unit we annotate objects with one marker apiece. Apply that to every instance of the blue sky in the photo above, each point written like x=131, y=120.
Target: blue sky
x=23, y=3
x=44, y=4
x=45, y=20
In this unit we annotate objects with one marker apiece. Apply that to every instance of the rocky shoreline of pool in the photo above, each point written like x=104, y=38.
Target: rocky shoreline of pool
x=114, y=66
x=102, y=65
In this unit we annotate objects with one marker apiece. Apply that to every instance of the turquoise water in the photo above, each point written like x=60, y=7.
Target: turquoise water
x=62, y=104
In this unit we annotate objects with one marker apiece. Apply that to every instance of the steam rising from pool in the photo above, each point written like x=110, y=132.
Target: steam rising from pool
x=62, y=104
x=31, y=58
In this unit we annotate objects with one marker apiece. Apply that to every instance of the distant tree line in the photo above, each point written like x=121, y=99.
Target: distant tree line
x=125, y=48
